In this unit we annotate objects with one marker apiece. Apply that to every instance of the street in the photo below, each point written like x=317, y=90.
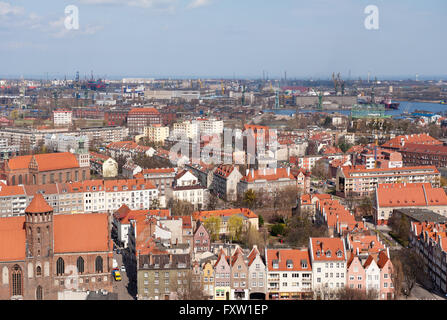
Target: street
x=126, y=289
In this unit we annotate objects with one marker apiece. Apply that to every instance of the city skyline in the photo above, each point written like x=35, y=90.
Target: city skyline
x=222, y=39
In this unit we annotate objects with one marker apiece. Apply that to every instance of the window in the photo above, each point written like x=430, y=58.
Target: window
x=38, y=271
x=98, y=264
x=39, y=293
x=80, y=265
x=60, y=267
x=16, y=280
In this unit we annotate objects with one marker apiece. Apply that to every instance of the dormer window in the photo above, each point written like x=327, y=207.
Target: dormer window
x=328, y=253
x=289, y=264
x=275, y=264
x=318, y=253
x=339, y=254
x=304, y=264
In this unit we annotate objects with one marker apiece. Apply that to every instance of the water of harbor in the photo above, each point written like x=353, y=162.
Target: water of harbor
x=406, y=107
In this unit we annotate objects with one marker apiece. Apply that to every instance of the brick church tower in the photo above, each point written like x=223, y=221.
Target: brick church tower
x=39, y=250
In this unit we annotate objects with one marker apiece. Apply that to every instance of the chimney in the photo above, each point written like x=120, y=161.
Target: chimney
x=357, y=251
x=288, y=171
x=388, y=252
x=151, y=259
x=247, y=172
x=170, y=259
x=253, y=173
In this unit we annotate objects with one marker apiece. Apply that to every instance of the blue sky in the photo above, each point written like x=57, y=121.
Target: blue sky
x=223, y=38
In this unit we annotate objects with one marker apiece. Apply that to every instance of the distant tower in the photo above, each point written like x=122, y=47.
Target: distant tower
x=417, y=77
x=277, y=99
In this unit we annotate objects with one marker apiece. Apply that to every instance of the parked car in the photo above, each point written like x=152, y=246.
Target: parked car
x=123, y=268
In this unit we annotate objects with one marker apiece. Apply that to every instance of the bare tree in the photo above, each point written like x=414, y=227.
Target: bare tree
x=188, y=287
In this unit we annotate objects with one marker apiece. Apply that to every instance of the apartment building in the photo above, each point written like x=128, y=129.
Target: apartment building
x=209, y=127
x=185, y=130
x=160, y=275
x=359, y=182
x=328, y=259
x=62, y=117
x=389, y=197
x=249, y=218
x=156, y=133
x=187, y=188
x=225, y=182
x=428, y=239
x=289, y=274
x=267, y=180
x=139, y=118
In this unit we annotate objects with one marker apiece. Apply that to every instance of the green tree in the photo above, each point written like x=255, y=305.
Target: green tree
x=213, y=225
x=235, y=226
x=260, y=221
x=249, y=198
x=278, y=229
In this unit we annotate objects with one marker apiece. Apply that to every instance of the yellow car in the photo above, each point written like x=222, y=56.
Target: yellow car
x=117, y=276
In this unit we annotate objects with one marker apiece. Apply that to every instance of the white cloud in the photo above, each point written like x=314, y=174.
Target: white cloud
x=134, y=3
x=199, y=3
x=8, y=9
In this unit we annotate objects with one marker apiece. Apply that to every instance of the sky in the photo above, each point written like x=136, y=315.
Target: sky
x=223, y=39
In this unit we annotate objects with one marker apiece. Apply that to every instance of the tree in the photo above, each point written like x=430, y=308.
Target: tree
x=253, y=237
x=413, y=269
x=235, y=226
x=180, y=207
x=278, y=229
x=249, y=198
x=343, y=145
x=320, y=170
x=190, y=288
x=397, y=276
x=356, y=294
x=213, y=225
x=301, y=228
x=260, y=220
x=155, y=204
x=212, y=202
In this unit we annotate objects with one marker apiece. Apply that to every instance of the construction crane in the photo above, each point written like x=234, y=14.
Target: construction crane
x=222, y=88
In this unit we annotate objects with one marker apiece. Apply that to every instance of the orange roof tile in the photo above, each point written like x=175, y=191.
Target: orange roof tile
x=81, y=233
x=38, y=205
x=12, y=239
x=285, y=256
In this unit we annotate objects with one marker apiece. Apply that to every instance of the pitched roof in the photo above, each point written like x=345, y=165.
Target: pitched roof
x=269, y=175
x=81, y=233
x=323, y=245
x=200, y=215
x=422, y=138
x=38, y=205
x=12, y=238
x=410, y=195
x=56, y=161
x=294, y=257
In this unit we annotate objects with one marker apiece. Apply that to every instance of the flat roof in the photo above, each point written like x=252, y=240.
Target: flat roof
x=421, y=215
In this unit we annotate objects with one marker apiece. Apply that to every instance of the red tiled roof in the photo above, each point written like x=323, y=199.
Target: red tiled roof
x=285, y=256
x=38, y=205
x=200, y=215
x=422, y=138
x=323, y=245
x=270, y=175
x=12, y=238
x=143, y=110
x=410, y=195
x=81, y=233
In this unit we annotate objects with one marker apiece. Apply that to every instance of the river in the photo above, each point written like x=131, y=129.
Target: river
x=405, y=107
